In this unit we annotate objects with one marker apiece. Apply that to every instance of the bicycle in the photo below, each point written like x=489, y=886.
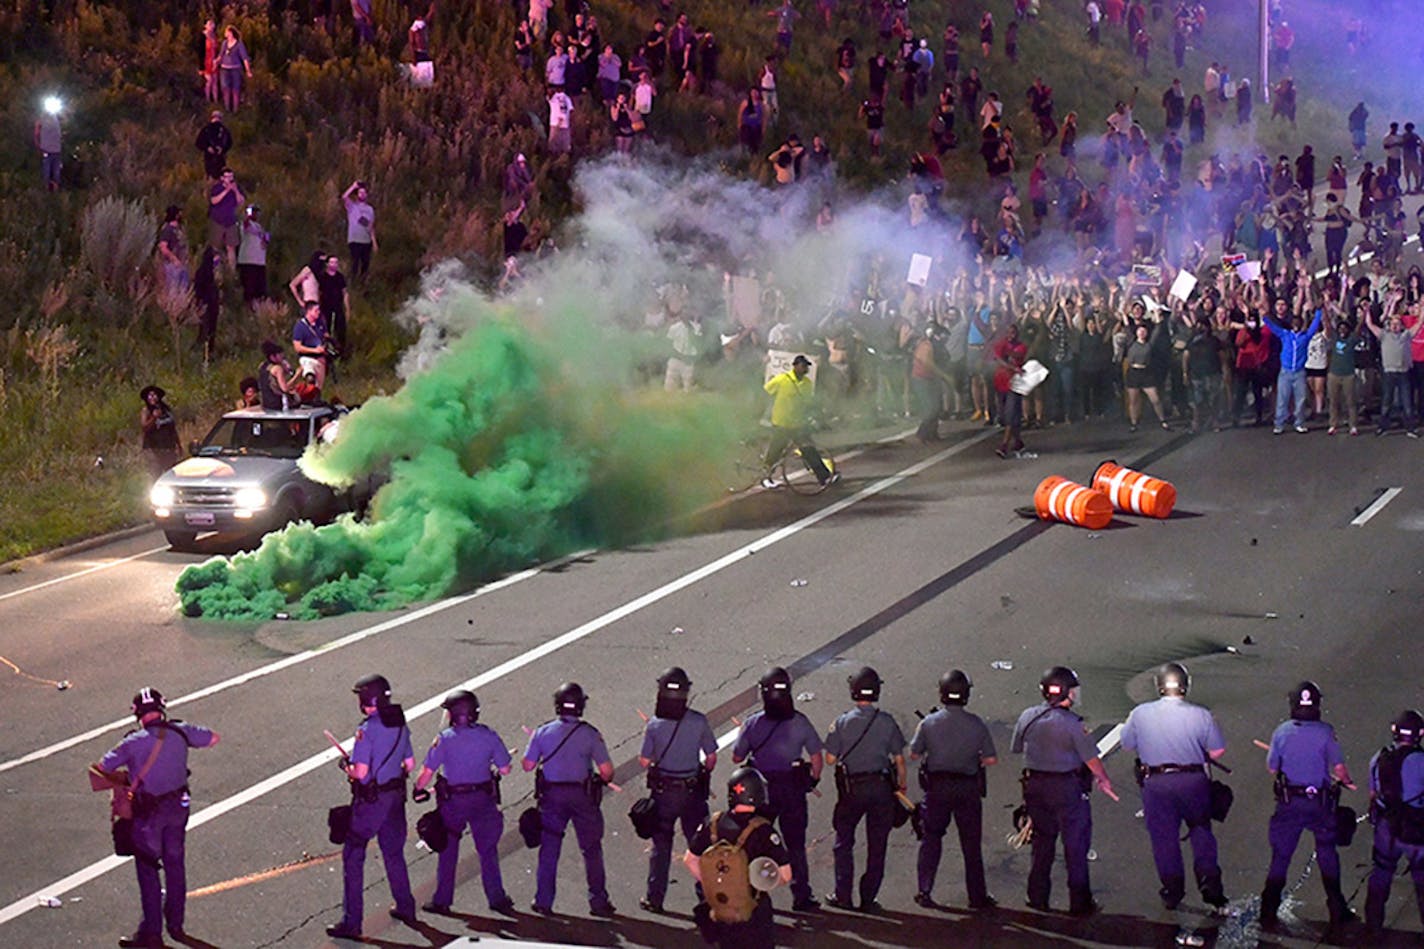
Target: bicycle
x=791, y=470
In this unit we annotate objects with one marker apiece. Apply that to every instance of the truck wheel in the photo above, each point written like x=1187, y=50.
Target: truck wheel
x=180, y=540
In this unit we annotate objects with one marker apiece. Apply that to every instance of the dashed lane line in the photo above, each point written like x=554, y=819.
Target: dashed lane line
x=1387, y=495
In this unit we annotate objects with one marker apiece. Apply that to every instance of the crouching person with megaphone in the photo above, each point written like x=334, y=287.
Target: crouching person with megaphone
x=738, y=858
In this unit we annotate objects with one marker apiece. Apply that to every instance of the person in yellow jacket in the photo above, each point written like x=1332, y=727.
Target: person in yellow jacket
x=792, y=392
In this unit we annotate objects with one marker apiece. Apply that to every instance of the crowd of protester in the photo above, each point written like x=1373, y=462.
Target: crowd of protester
x=1114, y=209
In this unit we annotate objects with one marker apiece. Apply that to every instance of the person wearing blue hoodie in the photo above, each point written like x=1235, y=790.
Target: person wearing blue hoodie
x=1290, y=383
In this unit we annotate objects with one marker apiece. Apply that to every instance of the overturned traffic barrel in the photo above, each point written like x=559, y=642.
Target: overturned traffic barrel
x=1058, y=499
x=1133, y=492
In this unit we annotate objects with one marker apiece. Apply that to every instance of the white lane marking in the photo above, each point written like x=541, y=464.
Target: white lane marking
x=1108, y=743
x=80, y=573
x=307, y=765
x=278, y=666
x=1364, y=516
x=729, y=739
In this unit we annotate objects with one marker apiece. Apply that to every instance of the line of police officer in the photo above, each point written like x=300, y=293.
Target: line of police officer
x=1176, y=743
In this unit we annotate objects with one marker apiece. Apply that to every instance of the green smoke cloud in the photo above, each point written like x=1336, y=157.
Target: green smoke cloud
x=515, y=446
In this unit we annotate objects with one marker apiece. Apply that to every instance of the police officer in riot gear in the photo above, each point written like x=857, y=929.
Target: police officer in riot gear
x=380, y=760
x=1397, y=811
x=573, y=766
x=679, y=751
x=155, y=756
x=953, y=747
x=1306, y=761
x=783, y=745
x=1174, y=739
x=470, y=759
x=1061, y=765
x=867, y=749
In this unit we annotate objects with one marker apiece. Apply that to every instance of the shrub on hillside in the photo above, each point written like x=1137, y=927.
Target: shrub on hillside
x=116, y=241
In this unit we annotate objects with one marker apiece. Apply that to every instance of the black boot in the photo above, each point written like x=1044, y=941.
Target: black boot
x=1271, y=903
x=1211, y=889
x=1340, y=913
x=1172, y=891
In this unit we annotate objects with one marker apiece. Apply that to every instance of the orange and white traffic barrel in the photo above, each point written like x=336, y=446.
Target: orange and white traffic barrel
x=1133, y=492
x=1058, y=499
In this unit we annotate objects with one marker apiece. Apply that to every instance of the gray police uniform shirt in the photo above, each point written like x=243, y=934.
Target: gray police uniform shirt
x=883, y=740
x=1171, y=730
x=571, y=764
x=675, y=746
x=467, y=754
x=169, y=771
x=952, y=740
x=1305, y=752
x=381, y=748
x=1052, y=738
x=773, y=745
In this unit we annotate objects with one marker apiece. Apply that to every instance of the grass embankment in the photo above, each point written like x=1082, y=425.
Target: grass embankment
x=84, y=329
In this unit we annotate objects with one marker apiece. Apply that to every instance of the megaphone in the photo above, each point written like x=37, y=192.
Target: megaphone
x=765, y=874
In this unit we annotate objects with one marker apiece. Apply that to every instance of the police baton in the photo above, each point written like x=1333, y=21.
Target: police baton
x=345, y=760
x=1260, y=744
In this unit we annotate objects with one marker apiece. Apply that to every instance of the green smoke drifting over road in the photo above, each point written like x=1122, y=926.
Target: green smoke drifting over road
x=511, y=448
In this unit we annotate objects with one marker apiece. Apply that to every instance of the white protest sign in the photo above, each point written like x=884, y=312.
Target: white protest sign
x=919, y=274
x=779, y=361
x=1183, y=285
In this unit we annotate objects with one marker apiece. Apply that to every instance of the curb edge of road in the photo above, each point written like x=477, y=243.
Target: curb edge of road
x=20, y=564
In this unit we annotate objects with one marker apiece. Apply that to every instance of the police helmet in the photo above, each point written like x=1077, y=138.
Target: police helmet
x=373, y=690
x=776, y=699
x=954, y=687
x=148, y=699
x=746, y=787
x=674, y=680
x=463, y=706
x=1305, y=700
x=569, y=699
x=865, y=685
x=1408, y=728
x=1056, y=682
x=1172, y=678
x=774, y=680
x=672, y=694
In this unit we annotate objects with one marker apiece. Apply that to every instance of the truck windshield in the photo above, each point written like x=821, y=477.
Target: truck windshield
x=276, y=437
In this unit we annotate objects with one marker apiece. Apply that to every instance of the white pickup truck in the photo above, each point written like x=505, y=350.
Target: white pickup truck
x=243, y=478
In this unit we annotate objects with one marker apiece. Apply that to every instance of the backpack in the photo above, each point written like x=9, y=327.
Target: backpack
x=726, y=875
x=1406, y=821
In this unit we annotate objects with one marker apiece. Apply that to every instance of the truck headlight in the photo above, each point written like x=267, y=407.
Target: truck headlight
x=250, y=498
x=162, y=495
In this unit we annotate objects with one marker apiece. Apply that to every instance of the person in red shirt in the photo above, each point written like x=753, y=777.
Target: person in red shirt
x=1009, y=354
x=1253, y=352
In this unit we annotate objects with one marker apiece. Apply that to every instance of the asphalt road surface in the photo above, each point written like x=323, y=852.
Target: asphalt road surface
x=1284, y=561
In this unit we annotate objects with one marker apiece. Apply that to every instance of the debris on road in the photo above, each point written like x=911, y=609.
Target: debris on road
x=798, y=582
x=806, y=697
x=1003, y=665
